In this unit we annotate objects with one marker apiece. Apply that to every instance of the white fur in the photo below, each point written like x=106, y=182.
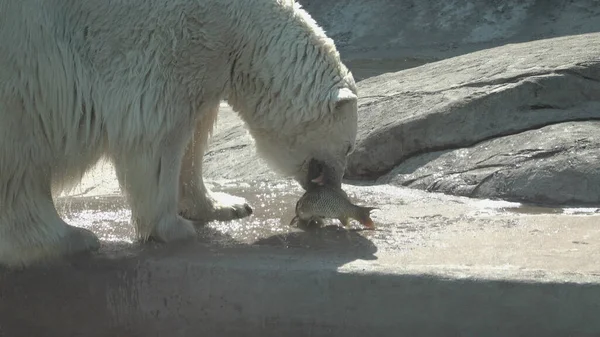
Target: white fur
x=140, y=82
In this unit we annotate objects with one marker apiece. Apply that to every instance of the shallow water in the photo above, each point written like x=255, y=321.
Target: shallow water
x=273, y=209
x=406, y=219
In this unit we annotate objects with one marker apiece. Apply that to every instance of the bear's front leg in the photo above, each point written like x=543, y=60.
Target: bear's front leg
x=196, y=202
x=149, y=177
x=31, y=229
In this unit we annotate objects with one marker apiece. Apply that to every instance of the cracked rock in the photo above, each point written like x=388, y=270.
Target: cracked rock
x=492, y=124
x=464, y=100
x=556, y=164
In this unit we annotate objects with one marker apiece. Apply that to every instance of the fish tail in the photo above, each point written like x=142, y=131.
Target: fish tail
x=364, y=216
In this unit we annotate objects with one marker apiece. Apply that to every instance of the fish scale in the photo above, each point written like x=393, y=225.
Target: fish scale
x=323, y=202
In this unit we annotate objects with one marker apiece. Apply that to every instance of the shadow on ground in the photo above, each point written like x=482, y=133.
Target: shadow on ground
x=436, y=266
x=235, y=296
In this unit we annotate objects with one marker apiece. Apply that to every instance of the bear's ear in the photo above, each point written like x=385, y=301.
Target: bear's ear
x=340, y=97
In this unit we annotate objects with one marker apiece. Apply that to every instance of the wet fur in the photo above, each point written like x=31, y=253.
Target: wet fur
x=140, y=82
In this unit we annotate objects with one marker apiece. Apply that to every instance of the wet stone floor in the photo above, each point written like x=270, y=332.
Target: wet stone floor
x=414, y=226
x=406, y=219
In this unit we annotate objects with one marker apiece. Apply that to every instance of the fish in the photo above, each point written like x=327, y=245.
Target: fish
x=325, y=202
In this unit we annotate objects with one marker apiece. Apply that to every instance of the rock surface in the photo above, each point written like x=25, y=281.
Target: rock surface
x=231, y=153
x=437, y=265
x=439, y=29
x=554, y=164
x=460, y=102
x=498, y=92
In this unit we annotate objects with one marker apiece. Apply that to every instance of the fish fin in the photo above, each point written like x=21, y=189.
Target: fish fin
x=365, y=216
x=345, y=221
x=294, y=220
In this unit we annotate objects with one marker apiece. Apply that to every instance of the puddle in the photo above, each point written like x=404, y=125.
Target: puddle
x=500, y=207
x=107, y=216
x=539, y=210
x=534, y=210
x=98, y=209
x=406, y=220
x=273, y=209
x=402, y=222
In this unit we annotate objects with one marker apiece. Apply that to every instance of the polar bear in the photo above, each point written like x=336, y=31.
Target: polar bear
x=139, y=82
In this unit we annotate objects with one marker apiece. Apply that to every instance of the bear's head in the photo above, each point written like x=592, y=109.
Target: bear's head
x=315, y=151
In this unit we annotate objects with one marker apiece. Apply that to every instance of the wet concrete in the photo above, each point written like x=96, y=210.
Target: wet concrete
x=417, y=224
x=435, y=265
x=406, y=219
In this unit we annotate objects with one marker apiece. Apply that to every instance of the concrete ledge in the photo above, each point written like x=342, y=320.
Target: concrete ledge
x=267, y=291
x=436, y=266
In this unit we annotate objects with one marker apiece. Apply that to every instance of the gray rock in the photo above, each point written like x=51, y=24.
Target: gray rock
x=231, y=153
x=461, y=101
x=440, y=29
x=556, y=164
x=409, y=118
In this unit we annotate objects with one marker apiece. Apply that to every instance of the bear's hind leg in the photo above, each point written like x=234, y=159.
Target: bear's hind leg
x=149, y=180
x=30, y=228
x=196, y=201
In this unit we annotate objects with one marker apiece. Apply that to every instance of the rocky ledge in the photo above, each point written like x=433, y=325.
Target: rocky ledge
x=498, y=123
x=519, y=122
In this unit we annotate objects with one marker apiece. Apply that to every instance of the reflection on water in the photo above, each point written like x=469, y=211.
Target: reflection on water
x=406, y=218
x=273, y=202
x=107, y=216
x=529, y=209
x=273, y=205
